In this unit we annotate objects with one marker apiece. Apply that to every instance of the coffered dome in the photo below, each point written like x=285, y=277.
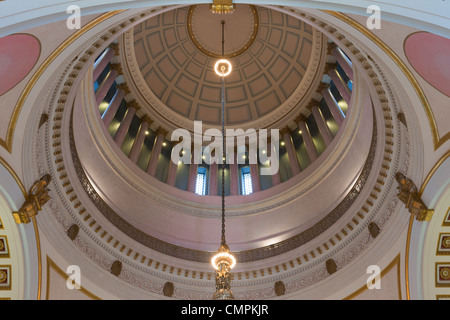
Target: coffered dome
x=275, y=58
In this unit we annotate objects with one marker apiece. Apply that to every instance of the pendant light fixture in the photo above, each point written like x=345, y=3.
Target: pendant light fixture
x=223, y=261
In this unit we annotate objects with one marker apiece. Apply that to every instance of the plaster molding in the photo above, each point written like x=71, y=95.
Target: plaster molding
x=171, y=120
x=49, y=158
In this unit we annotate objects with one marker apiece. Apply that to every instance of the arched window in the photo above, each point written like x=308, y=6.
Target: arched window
x=246, y=177
x=200, y=185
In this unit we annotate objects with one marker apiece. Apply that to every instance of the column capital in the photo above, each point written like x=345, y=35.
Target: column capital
x=115, y=47
x=285, y=130
x=133, y=104
x=300, y=118
x=124, y=87
x=330, y=47
x=146, y=118
x=161, y=131
x=117, y=67
x=322, y=86
x=313, y=103
x=329, y=67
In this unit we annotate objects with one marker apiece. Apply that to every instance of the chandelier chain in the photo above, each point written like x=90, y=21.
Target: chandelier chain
x=223, y=140
x=223, y=261
x=223, y=162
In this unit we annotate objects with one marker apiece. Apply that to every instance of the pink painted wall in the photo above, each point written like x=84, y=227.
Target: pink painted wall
x=18, y=55
x=429, y=54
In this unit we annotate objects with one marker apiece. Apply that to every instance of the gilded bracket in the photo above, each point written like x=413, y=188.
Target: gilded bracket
x=36, y=199
x=409, y=195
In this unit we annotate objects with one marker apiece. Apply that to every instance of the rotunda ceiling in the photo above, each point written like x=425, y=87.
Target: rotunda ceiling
x=270, y=53
x=146, y=222
x=278, y=63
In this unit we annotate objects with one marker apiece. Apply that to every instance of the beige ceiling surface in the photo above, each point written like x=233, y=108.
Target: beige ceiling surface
x=181, y=75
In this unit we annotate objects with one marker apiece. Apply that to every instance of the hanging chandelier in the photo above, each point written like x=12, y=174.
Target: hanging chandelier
x=223, y=261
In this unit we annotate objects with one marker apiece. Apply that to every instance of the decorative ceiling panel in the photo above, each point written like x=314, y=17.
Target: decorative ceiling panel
x=270, y=54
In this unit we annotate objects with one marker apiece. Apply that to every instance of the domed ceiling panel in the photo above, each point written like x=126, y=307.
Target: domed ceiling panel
x=270, y=53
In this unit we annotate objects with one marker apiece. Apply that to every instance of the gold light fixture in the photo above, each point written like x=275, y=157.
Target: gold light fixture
x=222, y=7
x=223, y=261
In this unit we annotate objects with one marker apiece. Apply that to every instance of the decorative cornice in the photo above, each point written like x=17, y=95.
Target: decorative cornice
x=243, y=256
x=65, y=179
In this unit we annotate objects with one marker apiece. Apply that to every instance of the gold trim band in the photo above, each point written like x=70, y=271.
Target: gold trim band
x=52, y=265
x=433, y=171
x=411, y=220
x=33, y=219
x=395, y=262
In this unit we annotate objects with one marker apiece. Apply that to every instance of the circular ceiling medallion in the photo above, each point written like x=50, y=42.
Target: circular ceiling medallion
x=205, y=30
x=18, y=55
x=429, y=55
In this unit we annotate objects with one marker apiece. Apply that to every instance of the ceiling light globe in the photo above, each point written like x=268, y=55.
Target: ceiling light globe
x=223, y=257
x=223, y=68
